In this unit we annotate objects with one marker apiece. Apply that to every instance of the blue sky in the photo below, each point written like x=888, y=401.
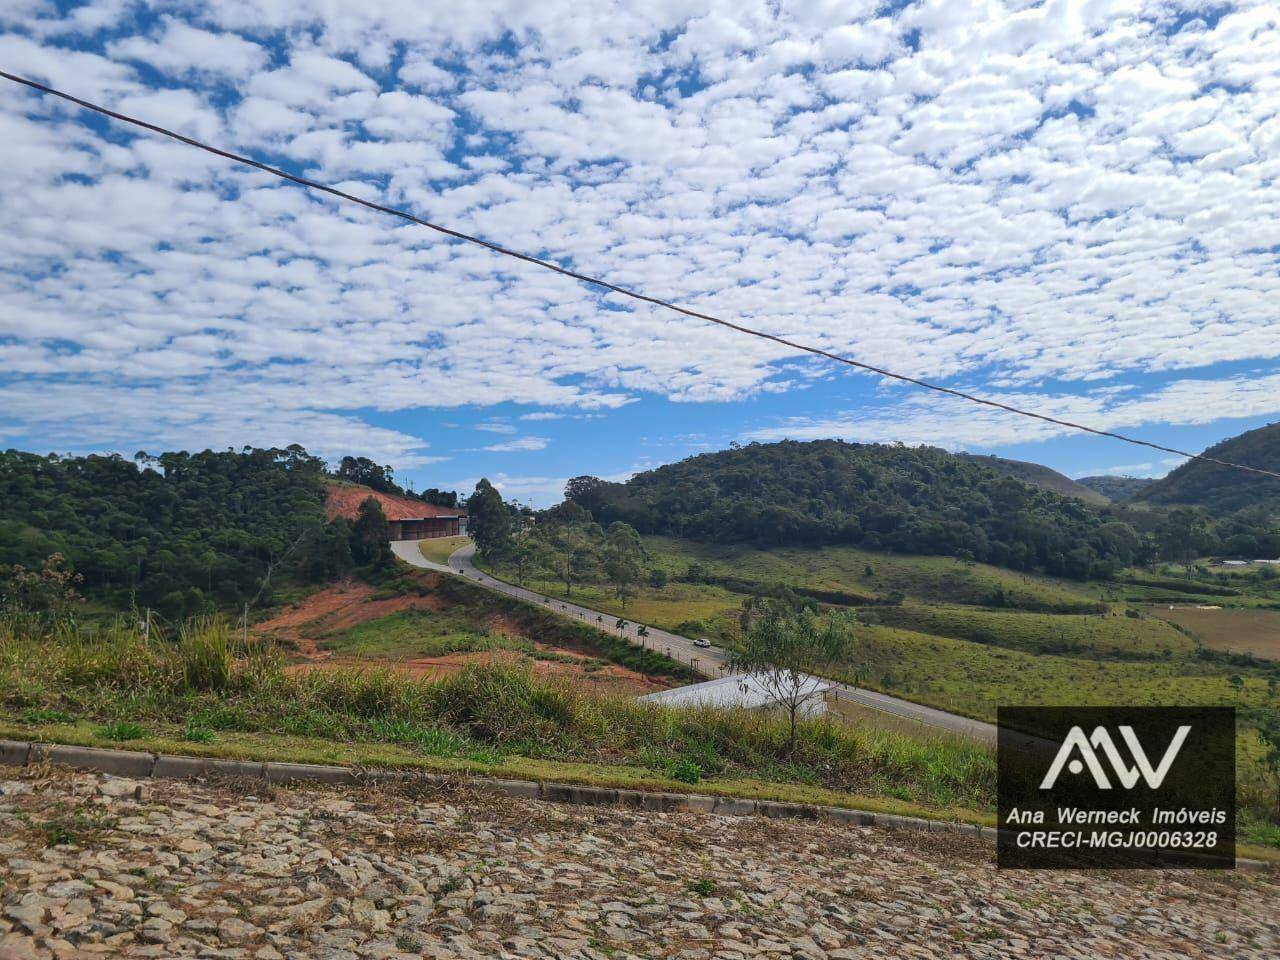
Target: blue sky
x=1064, y=207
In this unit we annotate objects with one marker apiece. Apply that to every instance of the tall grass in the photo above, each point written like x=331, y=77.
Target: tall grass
x=208, y=677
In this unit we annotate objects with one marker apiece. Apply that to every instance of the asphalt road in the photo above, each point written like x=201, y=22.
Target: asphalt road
x=708, y=662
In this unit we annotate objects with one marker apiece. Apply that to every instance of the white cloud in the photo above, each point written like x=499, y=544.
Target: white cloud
x=993, y=193
x=181, y=49
x=520, y=444
x=494, y=426
x=950, y=422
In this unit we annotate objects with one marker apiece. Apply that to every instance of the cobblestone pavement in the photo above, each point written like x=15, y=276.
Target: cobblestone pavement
x=93, y=866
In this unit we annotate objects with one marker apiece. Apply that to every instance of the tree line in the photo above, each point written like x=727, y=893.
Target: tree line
x=563, y=543
x=920, y=500
x=183, y=533
x=381, y=477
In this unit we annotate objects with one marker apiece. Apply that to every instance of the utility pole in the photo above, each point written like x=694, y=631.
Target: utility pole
x=146, y=626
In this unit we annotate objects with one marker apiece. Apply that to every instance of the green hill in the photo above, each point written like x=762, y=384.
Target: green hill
x=1039, y=476
x=1116, y=488
x=918, y=500
x=183, y=533
x=1223, y=489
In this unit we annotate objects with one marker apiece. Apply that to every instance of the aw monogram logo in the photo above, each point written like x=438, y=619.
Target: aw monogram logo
x=1115, y=788
x=1088, y=748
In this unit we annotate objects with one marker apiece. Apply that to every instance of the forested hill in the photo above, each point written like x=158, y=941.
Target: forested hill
x=1039, y=476
x=179, y=532
x=910, y=499
x=1116, y=488
x=1222, y=490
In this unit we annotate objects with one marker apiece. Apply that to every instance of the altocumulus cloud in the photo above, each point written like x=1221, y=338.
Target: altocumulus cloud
x=1009, y=195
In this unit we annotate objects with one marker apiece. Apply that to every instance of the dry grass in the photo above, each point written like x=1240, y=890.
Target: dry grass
x=1234, y=631
x=438, y=549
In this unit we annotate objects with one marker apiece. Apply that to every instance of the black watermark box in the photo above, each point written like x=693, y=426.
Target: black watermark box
x=1116, y=787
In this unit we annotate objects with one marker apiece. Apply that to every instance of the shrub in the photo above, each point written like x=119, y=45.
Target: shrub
x=686, y=771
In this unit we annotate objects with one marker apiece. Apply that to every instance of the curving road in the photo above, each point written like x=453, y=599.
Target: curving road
x=708, y=662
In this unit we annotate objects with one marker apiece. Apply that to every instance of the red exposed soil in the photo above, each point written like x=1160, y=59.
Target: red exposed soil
x=350, y=602
x=337, y=608
x=344, y=499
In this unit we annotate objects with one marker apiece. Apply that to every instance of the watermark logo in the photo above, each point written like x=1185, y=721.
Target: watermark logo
x=1116, y=787
x=1087, y=746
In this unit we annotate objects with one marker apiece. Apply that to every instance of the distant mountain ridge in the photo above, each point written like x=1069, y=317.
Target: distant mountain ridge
x=1223, y=489
x=1040, y=476
x=1116, y=488
x=880, y=496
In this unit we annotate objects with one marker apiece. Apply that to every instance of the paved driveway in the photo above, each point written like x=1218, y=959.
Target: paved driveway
x=709, y=663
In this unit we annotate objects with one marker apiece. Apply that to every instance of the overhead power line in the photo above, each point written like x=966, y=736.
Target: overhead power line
x=614, y=288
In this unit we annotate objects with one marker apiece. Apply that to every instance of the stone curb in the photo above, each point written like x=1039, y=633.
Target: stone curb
x=137, y=765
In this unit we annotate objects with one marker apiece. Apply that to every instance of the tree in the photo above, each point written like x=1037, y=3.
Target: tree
x=569, y=532
x=440, y=498
x=365, y=472
x=48, y=593
x=586, y=492
x=623, y=553
x=643, y=633
x=1236, y=683
x=489, y=522
x=1182, y=537
x=781, y=651
x=371, y=537
x=520, y=555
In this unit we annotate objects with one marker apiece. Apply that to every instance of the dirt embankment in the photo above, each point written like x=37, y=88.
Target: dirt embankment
x=344, y=499
x=348, y=603
x=342, y=606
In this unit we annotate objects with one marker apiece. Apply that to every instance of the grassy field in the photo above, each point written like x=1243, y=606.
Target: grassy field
x=932, y=644
x=167, y=738
x=852, y=572
x=413, y=614
x=421, y=633
x=438, y=549
x=973, y=678
x=206, y=692
x=1109, y=635
x=1235, y=631
x=966, y=638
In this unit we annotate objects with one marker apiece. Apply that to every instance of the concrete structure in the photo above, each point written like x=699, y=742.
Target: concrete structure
x=741, y=691
x=447, y=523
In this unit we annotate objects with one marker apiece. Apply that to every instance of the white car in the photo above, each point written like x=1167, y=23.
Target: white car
x=702, y=642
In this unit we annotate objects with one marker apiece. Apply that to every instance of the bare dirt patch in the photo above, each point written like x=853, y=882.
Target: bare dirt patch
x=335, y=609
x=343, y=500
x=1235, y=631
x=347, y=604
